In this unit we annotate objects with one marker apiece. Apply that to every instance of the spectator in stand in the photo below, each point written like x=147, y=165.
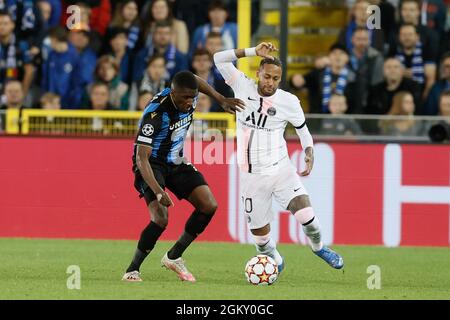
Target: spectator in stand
x=431, y=106
x=367, y=63
x=14, y=95
x=99, y=97
x=202, y=65
x=433, y=14
x=444, y=104
x=381, y=95
x=126, y=16
x=175, y=60
x=86, y=19
x=387, y=16
x=218, y=14
x=214, y=43
x=13, y=99
x=144, y=99
x=51, y=11
x=15, y=60
x=119, y=50
x=26, y=17
x=199, y=128
x=336, y=125
x=59, y=62
x=50, y=101
x=429, y=38
x=402, y=105
x=51, y=124
x=359, y=18
x=95, y=13
x=107, y=72
x=87, y=60
x=158, y=11
x=419, y=62
x=155, y=78
x=336, y=78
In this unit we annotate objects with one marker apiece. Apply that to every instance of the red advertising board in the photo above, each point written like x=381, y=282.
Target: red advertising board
x=376, y=194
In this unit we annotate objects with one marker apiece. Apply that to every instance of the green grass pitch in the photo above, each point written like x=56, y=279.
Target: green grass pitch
x=36, y=269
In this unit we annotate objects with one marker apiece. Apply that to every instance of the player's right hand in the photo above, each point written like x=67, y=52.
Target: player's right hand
x=264, y=48
x=164, y=199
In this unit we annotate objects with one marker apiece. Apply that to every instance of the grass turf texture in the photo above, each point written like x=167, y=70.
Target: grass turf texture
x=36, y=269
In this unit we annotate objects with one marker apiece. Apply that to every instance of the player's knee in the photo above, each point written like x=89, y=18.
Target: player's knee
x=208, y=207
x=159, y=215
x=298, y=203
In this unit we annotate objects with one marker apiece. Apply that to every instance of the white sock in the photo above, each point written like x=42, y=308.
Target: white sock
x=266, y=245
x=312, y=227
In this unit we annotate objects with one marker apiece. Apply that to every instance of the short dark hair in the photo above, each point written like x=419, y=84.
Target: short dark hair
x=185, y=79
x=154, y=57
x=5, y=13
x=217, y=4
x=163, y=24
x=445, y=56
x=201, y=52
x=339, y=46
x=59, y=33
x=274, y=61
x=407, y=24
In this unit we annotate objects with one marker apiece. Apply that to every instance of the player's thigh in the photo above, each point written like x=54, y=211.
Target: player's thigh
x=288, y=186
x=183, y=179
x=203, y=199
x=256, y=198
x=159, y=213
x=142, y=187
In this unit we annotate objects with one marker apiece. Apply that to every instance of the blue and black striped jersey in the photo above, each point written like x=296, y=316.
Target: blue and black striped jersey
x=163, y=128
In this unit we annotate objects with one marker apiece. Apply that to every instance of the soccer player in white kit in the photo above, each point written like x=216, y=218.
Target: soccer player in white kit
x=265, y=168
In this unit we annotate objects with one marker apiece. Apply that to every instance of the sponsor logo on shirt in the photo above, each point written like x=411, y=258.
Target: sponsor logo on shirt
x=181, y=123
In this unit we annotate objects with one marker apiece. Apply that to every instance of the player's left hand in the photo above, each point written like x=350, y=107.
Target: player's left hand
x=232, y=105
x=309, y=161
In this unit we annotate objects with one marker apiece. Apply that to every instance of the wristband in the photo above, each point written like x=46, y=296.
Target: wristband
x=250, y=52
x=159, y=197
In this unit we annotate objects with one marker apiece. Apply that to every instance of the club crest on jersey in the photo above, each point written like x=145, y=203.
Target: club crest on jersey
x=148, y=129
x=271, y=111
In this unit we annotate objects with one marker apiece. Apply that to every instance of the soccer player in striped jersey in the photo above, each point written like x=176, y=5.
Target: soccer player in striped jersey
x=158, y=163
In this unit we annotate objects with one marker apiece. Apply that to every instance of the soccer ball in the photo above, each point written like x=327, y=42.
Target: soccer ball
x=261, y=270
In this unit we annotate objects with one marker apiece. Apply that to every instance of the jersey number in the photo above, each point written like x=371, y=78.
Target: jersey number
x=248, y=205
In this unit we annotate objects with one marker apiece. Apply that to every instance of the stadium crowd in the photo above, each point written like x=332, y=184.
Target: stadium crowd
x=121, y=53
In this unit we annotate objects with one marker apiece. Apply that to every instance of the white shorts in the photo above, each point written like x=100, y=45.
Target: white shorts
x=257, y=191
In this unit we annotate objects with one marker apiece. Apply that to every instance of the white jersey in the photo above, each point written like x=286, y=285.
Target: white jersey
x=260, y=127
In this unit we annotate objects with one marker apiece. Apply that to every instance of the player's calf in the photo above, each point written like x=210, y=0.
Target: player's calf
x=266, y=245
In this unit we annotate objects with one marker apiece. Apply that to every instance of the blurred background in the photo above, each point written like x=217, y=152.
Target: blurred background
x=373, y=78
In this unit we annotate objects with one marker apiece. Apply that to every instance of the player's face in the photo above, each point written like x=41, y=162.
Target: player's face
x=269, y=77
x=184, y=98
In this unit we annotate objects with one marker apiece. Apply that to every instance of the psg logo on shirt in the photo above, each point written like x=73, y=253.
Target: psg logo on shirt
x=271, y=111
x=147, y=129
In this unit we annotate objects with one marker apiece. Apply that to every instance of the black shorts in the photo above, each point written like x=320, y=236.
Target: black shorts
x=180, y=179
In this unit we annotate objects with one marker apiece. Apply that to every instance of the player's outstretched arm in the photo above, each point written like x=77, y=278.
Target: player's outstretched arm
x=142, y=156
x=230, y=105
